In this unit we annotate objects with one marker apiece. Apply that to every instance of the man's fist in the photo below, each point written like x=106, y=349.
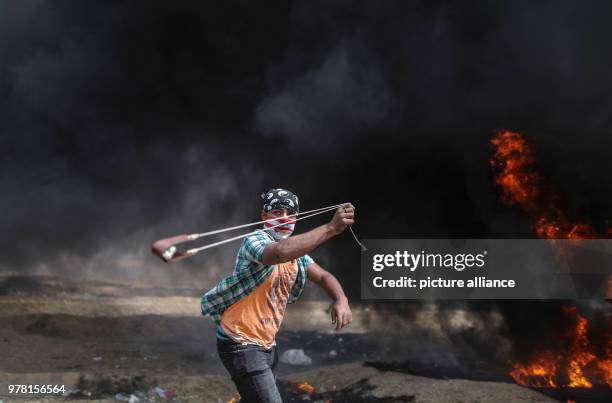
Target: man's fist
x=345, y=215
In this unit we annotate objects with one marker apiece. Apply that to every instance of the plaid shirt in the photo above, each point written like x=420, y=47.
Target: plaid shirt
x=249, y=273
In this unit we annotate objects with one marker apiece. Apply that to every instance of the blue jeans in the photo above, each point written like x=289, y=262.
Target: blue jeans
x=250, y=367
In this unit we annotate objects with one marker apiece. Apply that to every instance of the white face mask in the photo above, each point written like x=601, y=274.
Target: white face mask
x=282, y=231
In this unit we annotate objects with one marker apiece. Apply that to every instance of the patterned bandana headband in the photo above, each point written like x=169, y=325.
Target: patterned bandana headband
x=280, y=198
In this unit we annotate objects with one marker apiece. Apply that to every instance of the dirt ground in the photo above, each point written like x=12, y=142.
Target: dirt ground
x=107, y=339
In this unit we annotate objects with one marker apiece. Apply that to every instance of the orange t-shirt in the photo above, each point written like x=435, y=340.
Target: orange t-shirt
x=257, y=317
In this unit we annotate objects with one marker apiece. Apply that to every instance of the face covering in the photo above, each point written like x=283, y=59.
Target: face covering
x=282, y=231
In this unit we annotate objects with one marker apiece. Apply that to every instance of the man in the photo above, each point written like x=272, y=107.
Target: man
x=270, y=271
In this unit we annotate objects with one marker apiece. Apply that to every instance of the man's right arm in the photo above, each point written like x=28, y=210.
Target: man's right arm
x=299, y=245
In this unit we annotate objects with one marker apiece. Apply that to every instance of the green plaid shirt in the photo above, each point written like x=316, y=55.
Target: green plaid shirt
x=249, y=273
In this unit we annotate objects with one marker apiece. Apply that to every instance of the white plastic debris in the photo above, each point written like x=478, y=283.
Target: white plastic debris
x=70, y=392
x=97, y=358
x=123, y=398
x=295, y=357
x=333, y=354
x=165, y=393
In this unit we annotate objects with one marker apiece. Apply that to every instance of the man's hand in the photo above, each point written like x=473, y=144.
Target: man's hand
x=341, y=314
x=345, y=216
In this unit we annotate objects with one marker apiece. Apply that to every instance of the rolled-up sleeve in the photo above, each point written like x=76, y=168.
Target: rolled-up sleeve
x=305, y=261
x=254, y=246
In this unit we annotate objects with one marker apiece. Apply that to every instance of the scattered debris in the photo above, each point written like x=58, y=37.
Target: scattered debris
x=77, y=393
x=295, y=357
x=97, y=358
x=165, y=393
x=333, y=354
x=359, y=392
x=114, y=385
x=133, y=398
x=71, y=392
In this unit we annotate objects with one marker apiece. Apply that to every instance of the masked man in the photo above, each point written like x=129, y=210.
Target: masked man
x=270, y=271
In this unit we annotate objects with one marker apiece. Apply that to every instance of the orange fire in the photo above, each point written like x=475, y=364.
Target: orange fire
x=309, y=389
x=306, y=387
x=302, y=387
x=545, y=369
x=540, y=373
x=514, y=159
x=581, y=356
x=234, y=399
x=523, y=185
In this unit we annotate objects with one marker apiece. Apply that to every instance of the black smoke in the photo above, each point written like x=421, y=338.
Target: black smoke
x=124, y=122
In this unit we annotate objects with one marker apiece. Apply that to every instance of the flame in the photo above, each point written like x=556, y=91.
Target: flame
x=514, y=160
x=523, y=185
x=606, y=367
x=581, y=355
x=540, y=373
x=302, y=387
x=306, y=387
x=545, y=369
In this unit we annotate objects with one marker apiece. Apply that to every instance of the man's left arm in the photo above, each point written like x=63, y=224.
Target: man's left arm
x=341, y=312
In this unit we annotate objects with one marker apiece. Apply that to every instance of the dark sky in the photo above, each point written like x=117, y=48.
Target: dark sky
x=125, y=122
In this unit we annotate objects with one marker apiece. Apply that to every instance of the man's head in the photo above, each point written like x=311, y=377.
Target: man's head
x=279, y=207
